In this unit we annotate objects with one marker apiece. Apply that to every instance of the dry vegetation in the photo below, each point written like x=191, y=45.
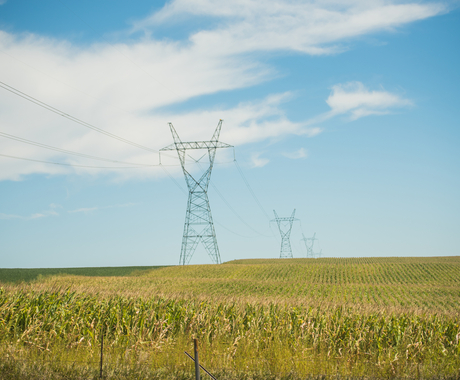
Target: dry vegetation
x=374, y=317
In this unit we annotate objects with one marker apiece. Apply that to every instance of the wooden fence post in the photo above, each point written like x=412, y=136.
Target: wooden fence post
x=102, y=351
x=197, y=364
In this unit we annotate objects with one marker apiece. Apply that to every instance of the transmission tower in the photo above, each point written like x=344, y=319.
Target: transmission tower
x=198, y=220
x=310, y=253
x=285, y=227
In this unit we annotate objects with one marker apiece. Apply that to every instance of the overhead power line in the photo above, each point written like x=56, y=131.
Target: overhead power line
x=20, y=139
x=72, y=165
x=249, y=188
x=72, y=118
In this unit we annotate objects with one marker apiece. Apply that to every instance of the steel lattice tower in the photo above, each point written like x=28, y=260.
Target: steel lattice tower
x=310, y=253
x=198, y=219
x=285, y=227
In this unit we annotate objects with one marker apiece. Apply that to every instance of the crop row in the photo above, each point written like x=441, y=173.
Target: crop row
x=72, y=318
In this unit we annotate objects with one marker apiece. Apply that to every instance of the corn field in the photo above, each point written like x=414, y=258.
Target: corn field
x=267, y=319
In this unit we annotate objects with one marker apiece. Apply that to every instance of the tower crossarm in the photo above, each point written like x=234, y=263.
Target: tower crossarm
x=288, y=219
x=197, y=145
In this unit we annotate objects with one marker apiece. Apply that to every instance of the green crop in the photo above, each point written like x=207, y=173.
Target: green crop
x=395, y=317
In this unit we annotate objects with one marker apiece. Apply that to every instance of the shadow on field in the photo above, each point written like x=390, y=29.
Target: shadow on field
x=15, y=275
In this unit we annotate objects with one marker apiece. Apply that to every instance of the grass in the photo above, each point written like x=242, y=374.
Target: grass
x=292, y=319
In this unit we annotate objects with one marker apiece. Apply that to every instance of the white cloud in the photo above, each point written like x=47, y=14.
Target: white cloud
x=257, y=161
x=40, y=215
x=355, y=99
x=312, y=27
x=3, y=2
x=85, y=210
x=88, y=210
x=122, y=87
x=301, y=153
x=52, y=212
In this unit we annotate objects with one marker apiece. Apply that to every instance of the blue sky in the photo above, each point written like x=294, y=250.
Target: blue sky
x=346, y=111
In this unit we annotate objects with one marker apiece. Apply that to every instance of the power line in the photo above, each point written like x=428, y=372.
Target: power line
x=228, y=204
x=72, y=118
x=20, y=139
x=49, y=76
x=173, y=179
x=249, y=188
x=234, y=211
x=253, y=195
x=185, y=192
x=72, y=165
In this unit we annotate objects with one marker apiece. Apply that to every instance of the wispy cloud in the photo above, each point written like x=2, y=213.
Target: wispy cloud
x=99, y=83
x=39, y=215
x=85, y=210
x=311, y=27
x=301, y=153
x=355, y=100
x=257, y=161
x=88, y=210
x=52, y=211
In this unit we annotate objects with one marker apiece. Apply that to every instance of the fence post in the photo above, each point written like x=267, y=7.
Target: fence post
x=197, y=364
x=102, y=351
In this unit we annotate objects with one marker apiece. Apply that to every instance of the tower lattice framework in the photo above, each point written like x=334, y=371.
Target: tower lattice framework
x=285, y=227
x=198, y=219
x=310, y=253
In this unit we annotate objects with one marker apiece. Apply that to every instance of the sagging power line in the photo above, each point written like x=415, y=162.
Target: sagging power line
x=72, y=118
x=65, y=151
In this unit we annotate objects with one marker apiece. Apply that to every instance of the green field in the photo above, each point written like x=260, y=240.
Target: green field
x=255, y=319
x=20, y=274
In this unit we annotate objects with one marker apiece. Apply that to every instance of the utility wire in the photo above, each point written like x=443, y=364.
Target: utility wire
x=233, y=210
x=229, y=206
x=49, y=76
x=72, y=118
x=72, y=165
x=173, y=179
x=16, y=138
x=185, y=192
x=249, y=188
x=253, y=195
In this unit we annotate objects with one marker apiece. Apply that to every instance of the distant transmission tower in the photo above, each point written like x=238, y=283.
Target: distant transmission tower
x=198, y=220
x=285, y=227
x=310, y=253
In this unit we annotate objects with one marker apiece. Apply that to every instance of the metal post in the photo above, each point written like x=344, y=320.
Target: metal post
x=102, y=351
x=197, y=364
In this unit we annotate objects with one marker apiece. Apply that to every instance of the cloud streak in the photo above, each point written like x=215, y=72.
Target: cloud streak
x=298, y=154
x=89, y=210
x=310, y=27
x=354, y=100
x=40, y=215
x=125, y=87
